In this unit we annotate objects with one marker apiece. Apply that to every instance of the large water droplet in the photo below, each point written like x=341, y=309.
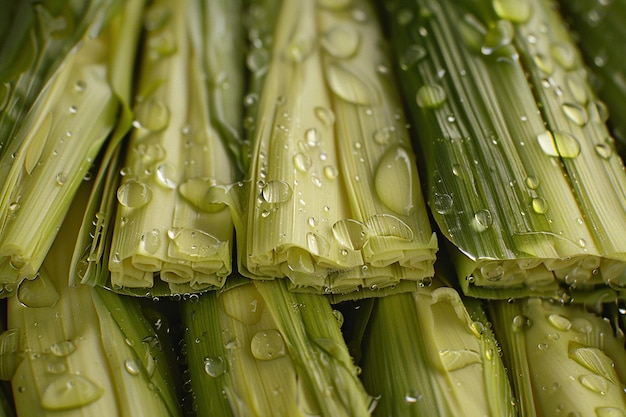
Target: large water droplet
x=595, y=383
x=539, y=205
x=442, y=202
x=513, y=10
x=268, y=345
x=214, y=366
x=497, y=37
x=276, y=192
x=70, y=391
x=258, y=60
x=302, y=161
x=341, y=41
x=37, y=293
x=593, y=359
x=411, y=56
x=350, y=233
x=559, y=144
x=575, y=85
x=564, y=54
x=317, y=244
x=453, y=360
x=325, y=115
x=151, y=241
x=134, y=194
x=244, y=305
x=152, y=114
x=396, y=167
x=312, y=137
x=167, y=175
x=609, y=412
x=63, y=348
x=349, y=86
x=132, y=366
x=300, y=260
x=559, y=322
x=194, y=243
x=604, y=150
x=482, y=220
x=575, y=113
x=387, y=225
x=431, y=96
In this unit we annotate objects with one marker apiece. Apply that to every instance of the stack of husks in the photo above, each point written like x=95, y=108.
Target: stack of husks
x=250, y=163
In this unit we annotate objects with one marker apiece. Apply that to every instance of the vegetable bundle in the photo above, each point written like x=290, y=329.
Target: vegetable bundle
x=310, y=208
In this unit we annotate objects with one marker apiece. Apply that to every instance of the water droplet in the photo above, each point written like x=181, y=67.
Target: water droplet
x=521, y=322
x=299, y=260
x=575, y=113
x=80, y=86
x=595, y=383
x=350, y=233
x=37, y=293
x=349, y=86
x=134, y=194
x=575, y=85
x=396, y=167
x=299, y=47
x=604, y=150
x=482, y=220
x=276, y=192
x=411, y=56
x=387, y=225
x=312, y=137
x=316, y=181
x=70, y=391
x=151, y=114
x=258, y=60
x=559, y=144
x=592, y=359
x=151, y=241
x=214, y=366
x=532, y=182
x=384, y=136
x=193, y=243
x=492, y=271
x=132, y=367
x=413, y=396
x=513, y=10
x=539, y=205
x=267, y=345
x=544, y=63
x=431, y=96
x=150, y=153
x=453, y=360
x=609, y=412
x=497, y=37
x=317, y=244
x=167, y=176
x=442, y=203
x=564, y=54
x=302, y=161
x=244, y=305
x=63, y=348
x=559, y=322
x=599, y=110
x=325, y=115
x=330, y=172
x=341, y=41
